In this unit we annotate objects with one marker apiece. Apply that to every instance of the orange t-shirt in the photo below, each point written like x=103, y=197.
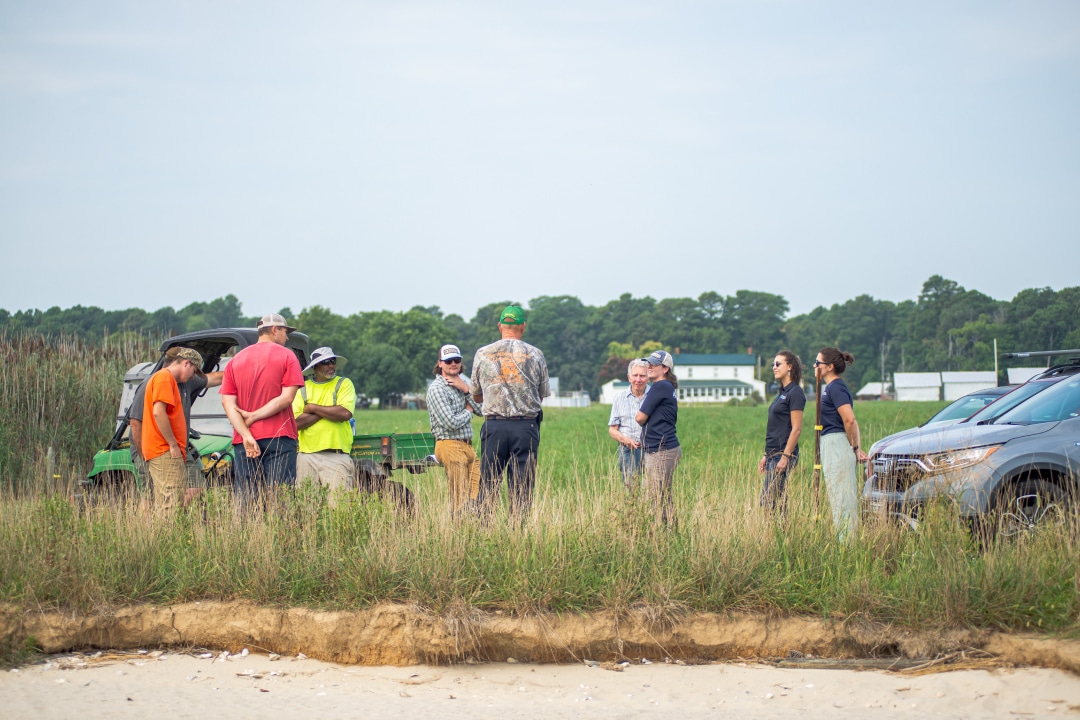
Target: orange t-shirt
x=162, y=387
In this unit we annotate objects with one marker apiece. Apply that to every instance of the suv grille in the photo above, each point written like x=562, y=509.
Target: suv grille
x=897, y=473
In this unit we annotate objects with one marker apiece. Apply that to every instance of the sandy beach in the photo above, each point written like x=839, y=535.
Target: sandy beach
x=201, y=685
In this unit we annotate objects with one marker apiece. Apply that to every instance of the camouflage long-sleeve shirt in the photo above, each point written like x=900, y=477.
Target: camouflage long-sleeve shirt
x=511, y=378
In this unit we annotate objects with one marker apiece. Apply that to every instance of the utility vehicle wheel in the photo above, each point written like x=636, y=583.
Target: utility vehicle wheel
x=114, y=486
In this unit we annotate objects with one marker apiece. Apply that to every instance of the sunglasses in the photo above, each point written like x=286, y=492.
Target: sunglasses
x=452, y=361
x=777, y=364
x=820, y=362
x=331, y=361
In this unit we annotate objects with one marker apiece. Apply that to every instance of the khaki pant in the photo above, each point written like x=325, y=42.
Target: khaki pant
x=838, y=467
x=192, y=466
x=170, y=480
x=659, y=476
x=462, y=471
x=333, y=469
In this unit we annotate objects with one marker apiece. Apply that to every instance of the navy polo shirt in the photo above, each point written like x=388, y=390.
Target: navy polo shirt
x=833, y=397
x=662, y=407
x=791, y=397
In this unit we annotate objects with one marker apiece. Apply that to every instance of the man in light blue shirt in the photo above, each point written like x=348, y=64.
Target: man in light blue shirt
x=623, y=427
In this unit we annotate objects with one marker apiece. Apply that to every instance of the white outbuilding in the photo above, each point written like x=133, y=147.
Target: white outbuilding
x=917, y=386
x=958, y=384
x=1019, y=376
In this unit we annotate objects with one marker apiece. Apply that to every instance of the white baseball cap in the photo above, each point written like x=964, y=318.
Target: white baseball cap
x=449, y=352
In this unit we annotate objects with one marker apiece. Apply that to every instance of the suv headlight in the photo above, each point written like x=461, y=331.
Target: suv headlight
x=956, y=459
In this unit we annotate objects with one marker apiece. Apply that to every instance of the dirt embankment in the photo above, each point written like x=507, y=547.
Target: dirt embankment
x=406, y=635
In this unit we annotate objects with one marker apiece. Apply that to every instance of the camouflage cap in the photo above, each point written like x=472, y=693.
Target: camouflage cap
x=185, y=353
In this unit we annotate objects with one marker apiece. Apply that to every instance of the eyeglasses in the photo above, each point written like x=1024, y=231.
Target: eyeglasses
x=453, y=361
x=331, y=361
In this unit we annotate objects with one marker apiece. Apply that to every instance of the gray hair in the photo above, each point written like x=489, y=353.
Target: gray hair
x=635, y=363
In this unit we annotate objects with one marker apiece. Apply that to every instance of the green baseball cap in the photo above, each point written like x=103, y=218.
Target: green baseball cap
x=512, y=315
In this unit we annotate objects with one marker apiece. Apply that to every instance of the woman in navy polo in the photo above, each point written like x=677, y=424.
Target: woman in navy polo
x=840, y=453
x=783, y=430
x=658, y=415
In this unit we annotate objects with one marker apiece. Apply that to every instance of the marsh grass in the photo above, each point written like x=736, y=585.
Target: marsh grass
x=60, y=393
x=585, y=547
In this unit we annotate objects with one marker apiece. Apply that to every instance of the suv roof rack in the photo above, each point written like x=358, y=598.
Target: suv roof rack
x=1042, y=353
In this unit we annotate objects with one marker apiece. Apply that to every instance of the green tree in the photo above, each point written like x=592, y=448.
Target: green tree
x=384, y=372
x=755, y=321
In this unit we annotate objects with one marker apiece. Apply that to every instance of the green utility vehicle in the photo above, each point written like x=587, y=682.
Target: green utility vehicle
x=375, y=456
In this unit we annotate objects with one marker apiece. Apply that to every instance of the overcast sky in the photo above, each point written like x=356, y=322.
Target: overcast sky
x=380, y=155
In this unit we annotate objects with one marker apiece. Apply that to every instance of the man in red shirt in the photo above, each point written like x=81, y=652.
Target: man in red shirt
x=257, y=393
x=164, y=434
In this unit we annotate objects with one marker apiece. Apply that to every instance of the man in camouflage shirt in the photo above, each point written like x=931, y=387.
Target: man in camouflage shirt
x=510, y=378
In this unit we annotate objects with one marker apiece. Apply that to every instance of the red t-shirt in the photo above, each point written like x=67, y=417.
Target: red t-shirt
x=162, y=387
x=256, y=376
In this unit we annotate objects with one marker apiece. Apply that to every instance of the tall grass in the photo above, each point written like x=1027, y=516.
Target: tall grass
x=60, y=393
x=585, y=546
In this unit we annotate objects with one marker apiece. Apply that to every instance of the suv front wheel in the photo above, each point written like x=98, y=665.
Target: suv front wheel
x=1029, y=506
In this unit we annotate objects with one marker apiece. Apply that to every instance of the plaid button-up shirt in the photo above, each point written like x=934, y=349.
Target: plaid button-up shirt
x=450, y=411
x=624, y=410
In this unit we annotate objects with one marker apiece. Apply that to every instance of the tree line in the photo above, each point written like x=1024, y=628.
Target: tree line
x=947, y=327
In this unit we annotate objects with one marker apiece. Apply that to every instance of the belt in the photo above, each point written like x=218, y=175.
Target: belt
x=509, y=417
x=331, y=450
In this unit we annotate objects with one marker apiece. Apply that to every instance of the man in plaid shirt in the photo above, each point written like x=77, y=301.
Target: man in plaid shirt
x=450, y=409
x=623, y=427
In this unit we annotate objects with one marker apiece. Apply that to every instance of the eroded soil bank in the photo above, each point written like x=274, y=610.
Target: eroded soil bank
x=407, y=635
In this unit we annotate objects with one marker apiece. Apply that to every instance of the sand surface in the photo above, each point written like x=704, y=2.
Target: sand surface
x=171, y=684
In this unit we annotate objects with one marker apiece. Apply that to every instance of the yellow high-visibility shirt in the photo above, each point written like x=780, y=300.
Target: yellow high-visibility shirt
x=326, y=434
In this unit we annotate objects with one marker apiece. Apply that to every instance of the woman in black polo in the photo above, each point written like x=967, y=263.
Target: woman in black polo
x=840, y=453
x=658, y=415
x=783, y=430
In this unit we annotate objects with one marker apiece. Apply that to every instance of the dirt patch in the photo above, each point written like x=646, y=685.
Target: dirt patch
x=407, y=635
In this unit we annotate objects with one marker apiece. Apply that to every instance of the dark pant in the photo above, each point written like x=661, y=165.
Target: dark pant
x=774, y=491
x=276, y=465
x=508, y=447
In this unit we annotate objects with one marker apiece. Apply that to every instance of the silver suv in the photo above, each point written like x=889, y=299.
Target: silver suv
x=1022, y=465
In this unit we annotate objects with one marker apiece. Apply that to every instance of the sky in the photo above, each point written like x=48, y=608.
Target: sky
x=365, y=155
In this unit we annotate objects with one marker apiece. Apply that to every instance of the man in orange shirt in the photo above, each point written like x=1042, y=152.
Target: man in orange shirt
x=164, y=429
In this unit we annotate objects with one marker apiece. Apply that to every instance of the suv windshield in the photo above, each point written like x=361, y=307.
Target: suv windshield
x=1011, y=400
x=1061, y=401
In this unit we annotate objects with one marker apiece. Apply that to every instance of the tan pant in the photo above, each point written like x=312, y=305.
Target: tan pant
x=659, y=477
x=332, y=469
x=462, y=471
x=170, y=480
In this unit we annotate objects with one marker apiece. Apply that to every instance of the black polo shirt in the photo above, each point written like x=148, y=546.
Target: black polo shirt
x=662, y=407
x=835, y=396
x=791, y=397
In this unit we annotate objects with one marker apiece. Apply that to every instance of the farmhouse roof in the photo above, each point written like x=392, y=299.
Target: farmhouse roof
x=706, y=359
x=623, y=384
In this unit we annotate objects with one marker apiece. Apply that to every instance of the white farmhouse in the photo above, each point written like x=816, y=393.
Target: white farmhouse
x=959, y=384
x=917, y=386
x=704, y=378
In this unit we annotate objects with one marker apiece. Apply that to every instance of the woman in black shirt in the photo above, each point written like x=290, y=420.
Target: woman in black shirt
x=783, y=430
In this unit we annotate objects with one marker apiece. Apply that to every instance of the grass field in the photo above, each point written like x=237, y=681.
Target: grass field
x=586, y=546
